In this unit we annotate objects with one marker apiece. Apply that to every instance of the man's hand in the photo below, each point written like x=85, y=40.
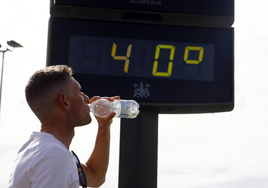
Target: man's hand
x=105, y=121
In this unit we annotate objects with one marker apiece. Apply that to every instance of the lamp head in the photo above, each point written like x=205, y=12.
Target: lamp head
x=14, y=44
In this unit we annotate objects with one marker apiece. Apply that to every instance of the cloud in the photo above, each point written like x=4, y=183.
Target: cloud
x=247, y=182
x=8, y=150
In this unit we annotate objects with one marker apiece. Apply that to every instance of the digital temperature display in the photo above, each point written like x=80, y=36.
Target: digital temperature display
x=169, y=68
x=142, y=58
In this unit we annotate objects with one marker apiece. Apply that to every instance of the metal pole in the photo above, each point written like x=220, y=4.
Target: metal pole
x=12, y=44
x=2, y=70
x=138, y=151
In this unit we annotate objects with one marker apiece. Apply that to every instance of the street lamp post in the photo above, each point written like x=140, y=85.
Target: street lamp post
x=11, y=45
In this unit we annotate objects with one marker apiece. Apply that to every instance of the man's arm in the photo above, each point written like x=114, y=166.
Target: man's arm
x=96, y=166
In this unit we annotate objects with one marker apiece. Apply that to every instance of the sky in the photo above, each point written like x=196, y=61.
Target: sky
x=220, y=150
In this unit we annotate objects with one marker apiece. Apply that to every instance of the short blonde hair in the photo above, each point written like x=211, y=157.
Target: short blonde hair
x=44, y=86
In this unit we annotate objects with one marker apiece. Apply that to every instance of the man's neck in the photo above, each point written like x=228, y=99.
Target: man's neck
x=63, y=133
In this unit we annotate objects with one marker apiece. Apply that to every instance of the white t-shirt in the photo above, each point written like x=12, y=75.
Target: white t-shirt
x=44, y=162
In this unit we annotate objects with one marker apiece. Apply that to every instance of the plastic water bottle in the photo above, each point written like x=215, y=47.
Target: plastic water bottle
x=122, y=108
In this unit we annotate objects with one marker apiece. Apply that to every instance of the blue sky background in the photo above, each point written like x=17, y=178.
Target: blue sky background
x=222, y=150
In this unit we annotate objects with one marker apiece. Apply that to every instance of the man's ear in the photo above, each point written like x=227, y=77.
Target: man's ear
x=62, y=102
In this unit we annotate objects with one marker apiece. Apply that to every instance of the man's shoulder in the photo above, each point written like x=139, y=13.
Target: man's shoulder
x=47, y=141
x=42, y=145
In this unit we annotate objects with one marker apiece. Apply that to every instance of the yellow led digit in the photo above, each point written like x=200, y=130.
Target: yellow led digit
x=117, y=57
x=196, y=48
x=170, y=64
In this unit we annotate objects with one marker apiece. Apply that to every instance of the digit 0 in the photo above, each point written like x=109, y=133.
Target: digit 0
x=170, y=64
x=196, y=48
x=117, y=57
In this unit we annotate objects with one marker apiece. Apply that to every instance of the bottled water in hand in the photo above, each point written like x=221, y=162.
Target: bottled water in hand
x=122, y=108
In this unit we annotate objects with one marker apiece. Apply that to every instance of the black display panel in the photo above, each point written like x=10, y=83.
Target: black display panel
x=171, y=69
x=132, y=57
x=203, y=7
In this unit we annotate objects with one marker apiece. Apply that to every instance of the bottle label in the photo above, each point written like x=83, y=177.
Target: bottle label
x=125, y=109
